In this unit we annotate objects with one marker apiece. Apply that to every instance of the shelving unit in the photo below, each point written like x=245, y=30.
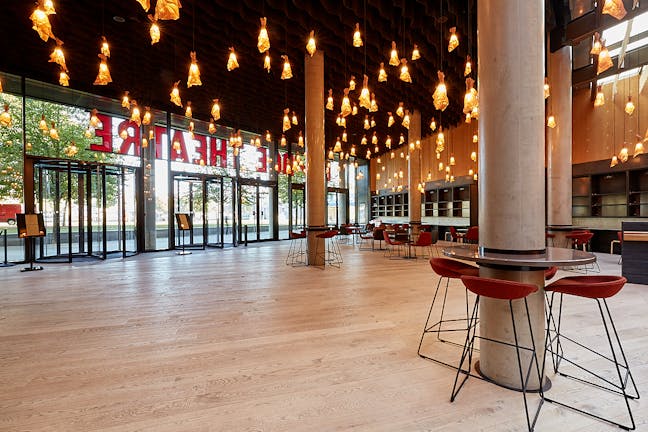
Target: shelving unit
x=638, y=194
x=581, y=197
x=389, y=204
x=609, y=197
x=451, y=204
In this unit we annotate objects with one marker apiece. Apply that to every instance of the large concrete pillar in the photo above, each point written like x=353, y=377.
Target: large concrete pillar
x=414, y=171
x=511, y=164
x=315, y=156
x=559, y=144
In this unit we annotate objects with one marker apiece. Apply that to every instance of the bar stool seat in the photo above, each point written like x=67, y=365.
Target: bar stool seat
x=332, y=254
x=296, y=252
x=446, y=269
x=598, y=288
x=510, y=291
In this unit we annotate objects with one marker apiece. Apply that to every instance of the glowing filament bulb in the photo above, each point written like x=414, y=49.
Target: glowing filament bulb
x=215, y=110
x=604, y=61
x=154, y=32
x=468, y=67
x=5, y=117
x=146, y=120
x=357, y=38
x=401, y=139
x=373, y=105
x=551, y=121
x=232, y=62
x=257, y=141
x=614, y=8
x=390, y=119
x=596, y=45
x=433, y=124
x=388, y=142
x=286, y=120
x=374, y=139
x=629, y=106
x=639, y=148
x=310, y=45
x=440, y=96
x=416, y=54
x=345, y=108
x=53, y=133
x=344, y=136
x=175, y=94
x=338, y=146
x=352, y=83
x=373, y=122
x=382, y=74
x=135, y=114
x=368, y=156
x=286, y=73
x=64, y=79
x=283, y=141
x=329, y=100
x=48, y=7
x=365, y=95
x=125, y=100
x=367, y=126
x=475, y=138
x=194, y=73
x=545, y=88
x=42, y=124
x=354, y=109
x=263, y=42
x=268, y=136
x=103, y=77
x=393, y=55
x=404, y=73
x=623, y=154
x=363, y=141
x=454, y=40
x=105, y=48
x=473, y=156
x=266, y=63
x=300, y=140
x=406, y=120
x=58, y=56
x=293, y=119
x=188, y=110
x=452, y=160
x=212, y=127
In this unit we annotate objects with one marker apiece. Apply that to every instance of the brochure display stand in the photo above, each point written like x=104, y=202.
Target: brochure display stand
x=29, y=227
x=183, y=223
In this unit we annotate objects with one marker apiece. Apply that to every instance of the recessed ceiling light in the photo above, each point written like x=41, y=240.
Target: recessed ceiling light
x=119, y=19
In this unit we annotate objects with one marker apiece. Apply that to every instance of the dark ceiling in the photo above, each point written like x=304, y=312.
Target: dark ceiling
x=251, y=98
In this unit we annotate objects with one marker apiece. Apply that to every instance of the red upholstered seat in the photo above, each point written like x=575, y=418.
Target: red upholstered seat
x=550, y=272
x=588, y=286
x=450, y=268
x=327, y=234
x=498, y=288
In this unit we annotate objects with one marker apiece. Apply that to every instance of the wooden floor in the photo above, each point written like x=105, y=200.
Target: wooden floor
x=235, y=340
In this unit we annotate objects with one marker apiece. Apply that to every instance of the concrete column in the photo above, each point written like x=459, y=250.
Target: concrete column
x=315, y=156
x=511, y=189
x=559, y=143
x=414, y=172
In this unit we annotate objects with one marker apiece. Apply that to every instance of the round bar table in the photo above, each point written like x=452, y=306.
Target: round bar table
x=498, y=363
x=561, y=231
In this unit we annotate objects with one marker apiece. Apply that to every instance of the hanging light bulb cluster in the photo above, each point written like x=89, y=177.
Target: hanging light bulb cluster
x=103, y=76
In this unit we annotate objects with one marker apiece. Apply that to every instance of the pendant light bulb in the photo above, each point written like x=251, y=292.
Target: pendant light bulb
x=629, y=106
x=357, y=37
x=263, y=42
x=232, y=61
x=454, y=40
x=393, y=55
x=193, y=78
x=311, y=47
x=416, y=54
x=600, y=97
x=382, y=74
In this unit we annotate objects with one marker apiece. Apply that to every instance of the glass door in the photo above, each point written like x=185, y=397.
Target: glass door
x=88, y=210
x=256, y=210
x=219, y=212
x=189, y=199
x=297, y=208
x=337, y=206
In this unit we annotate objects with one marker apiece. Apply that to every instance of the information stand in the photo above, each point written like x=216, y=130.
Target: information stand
x=30, y=225
x=183, y=223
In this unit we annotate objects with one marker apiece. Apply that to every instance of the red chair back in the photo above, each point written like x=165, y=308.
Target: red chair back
x=424, y=239
x=472, y=235
x=450, y=268
x=602, y=286
x=498, y=288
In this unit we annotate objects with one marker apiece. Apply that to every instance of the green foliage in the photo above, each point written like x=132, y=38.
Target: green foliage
x=11, y=151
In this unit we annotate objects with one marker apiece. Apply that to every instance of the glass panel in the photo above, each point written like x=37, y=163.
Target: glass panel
x=332, y=209
x=214, y=215
x=249, y=212
x=228, y=211
x=266, y=221
x=189, y=199
x=11, y=171
x=298, y=209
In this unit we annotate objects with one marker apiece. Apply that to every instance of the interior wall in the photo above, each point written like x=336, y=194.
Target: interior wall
x=600, y=132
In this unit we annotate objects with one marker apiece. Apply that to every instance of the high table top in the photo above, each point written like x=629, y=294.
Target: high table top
x=552, y=257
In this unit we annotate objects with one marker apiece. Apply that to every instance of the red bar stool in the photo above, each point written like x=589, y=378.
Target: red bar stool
x=581, y=240
x=392, y=244
x=296, y=252
x=446, y=269
x=332, y=254
x=597, y=288
x=510, y=291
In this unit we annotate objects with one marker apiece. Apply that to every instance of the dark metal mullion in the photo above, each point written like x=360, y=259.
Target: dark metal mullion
x=103, y=211
x=123, y=210
x=69, y=209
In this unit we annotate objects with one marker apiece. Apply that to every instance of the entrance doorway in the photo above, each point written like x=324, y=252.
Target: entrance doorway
x=208, y=200
x=89, y=210
x=256, y=210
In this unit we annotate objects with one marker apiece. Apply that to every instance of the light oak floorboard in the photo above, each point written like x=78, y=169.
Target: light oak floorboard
x=235, y=340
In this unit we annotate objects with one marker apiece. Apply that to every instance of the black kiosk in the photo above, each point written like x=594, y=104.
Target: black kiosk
x=30, y=225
